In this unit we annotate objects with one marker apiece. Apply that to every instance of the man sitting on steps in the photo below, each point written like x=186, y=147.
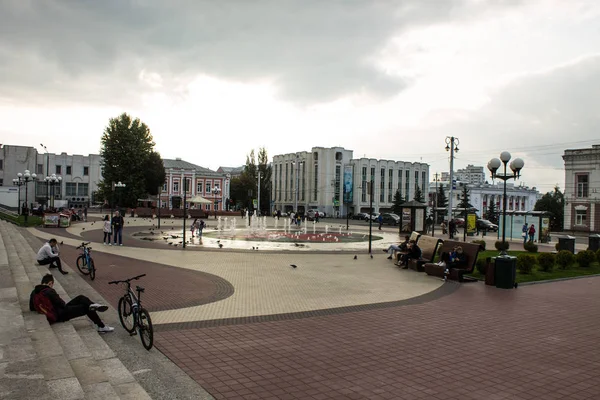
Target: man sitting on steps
x=45, y=300
x=48, y=254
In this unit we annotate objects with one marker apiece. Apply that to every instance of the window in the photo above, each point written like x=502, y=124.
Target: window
x=286, y=182
x=86, y=171
x=164, y=187
x=71, y=189
x=199, y=188
x=68, y=170
x=316, y=190
x=382, y=186
x=407, y=185
x=363, y=195
x=338, y=177
x=582, y=185
x=82, y=189
x=188, y=184
x=390, y=190
x=1, y=165
x=175, y=186
x=280, y=178
x=423, y=182
x=1, y=182
x=303, y=179
x=208, y=187
x=400, y=181
x=40, y=169
x=580, y=217
x=58, y=170
x=208, y=207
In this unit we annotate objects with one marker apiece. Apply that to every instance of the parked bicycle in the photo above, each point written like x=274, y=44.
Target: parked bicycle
x=85, y=262
x=132, y=315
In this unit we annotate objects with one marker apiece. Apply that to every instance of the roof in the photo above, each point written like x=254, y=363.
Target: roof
x=180, y=164
x=231, y=170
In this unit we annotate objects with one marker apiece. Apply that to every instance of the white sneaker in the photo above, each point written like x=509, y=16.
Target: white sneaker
x=121, y=244
x=98, y=307
x=110, y=244
x=106, y=329
x=104, y=244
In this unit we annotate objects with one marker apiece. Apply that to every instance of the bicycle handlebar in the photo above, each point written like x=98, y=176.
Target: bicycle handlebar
x=127, y=280
x=83, y=244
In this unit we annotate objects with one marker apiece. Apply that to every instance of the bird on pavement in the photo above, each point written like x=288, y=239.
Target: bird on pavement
x=220, y=246
x=355, y=257
x=293, y=266
x=371, y=255
x=61, y=242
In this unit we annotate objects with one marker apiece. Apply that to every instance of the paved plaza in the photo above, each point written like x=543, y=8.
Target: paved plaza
x=247, y=325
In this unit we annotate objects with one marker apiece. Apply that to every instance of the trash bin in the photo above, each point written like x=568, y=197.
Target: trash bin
x=490, y=271
x=566, y=243
x=505, y=272
x=594, y=242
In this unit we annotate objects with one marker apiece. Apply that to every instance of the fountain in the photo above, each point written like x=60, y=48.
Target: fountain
x=326, y=229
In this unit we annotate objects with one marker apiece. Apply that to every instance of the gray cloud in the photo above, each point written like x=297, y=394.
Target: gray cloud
x=93, y=51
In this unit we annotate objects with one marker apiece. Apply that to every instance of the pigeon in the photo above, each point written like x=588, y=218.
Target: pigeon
x=218, y=241
x=220, y=246
x=252, y=247
x=61, y=242
x=355, y=257
x=83, y=229
x=371, y=255
x=293, y=266
x=256, y=247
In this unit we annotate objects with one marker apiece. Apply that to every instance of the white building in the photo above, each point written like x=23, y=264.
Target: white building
x=518, y=198
x=471, y=174
x=582, y=189
x=315, y=179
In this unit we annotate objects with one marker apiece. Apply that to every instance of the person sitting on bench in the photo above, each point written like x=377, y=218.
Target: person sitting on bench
x=398, y=247
x=414, y=253
x=48, y=254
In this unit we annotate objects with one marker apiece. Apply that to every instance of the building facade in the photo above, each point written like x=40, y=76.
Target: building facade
x=582, y=189
x=316, y=179
x=211, y=185
x=471, y=174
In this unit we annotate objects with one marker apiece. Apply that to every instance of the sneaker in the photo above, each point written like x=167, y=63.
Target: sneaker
x=106, y=329
x=64, y=272
x=110, y=244
x=104, y=244
x=121, y=244
x=389, y=258
x=98, y=307
x=385, y=251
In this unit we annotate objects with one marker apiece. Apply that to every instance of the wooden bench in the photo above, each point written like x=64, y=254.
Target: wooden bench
x=429, y=246
x=396, y=254
x=471, y=251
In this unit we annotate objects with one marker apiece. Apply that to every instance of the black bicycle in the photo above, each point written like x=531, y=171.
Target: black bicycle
x=132, y=315
x=85, y=262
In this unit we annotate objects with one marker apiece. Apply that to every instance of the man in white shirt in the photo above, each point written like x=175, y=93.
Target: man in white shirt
x=48, y=254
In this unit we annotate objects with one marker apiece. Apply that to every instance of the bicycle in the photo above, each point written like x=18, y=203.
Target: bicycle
x=85, y=262
x=132, y=315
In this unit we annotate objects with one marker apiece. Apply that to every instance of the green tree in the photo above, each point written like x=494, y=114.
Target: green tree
x=265, y=180
x=245, y=187
x=553, y=203
x=398, y=200
x=418, y=195
x=464, y=198
x=442, y=202
x=127, y=151
x=492, y=213
x=155, y=174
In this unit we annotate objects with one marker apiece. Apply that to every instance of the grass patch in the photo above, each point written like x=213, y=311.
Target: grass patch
x=537, y=274
x=20, y=220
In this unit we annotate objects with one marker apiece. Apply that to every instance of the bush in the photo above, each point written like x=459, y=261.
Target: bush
x=564, y=259
x=526, y=262
x=585, y=258
x=556, y=246
x=481, y=244
x=598, y=255
x=481, y=265
x=546, y=261
x=531, y=247
x=500, y=245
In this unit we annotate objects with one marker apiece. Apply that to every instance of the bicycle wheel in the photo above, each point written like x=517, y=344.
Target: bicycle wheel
x=145, y=328
x=126, y=314
x=92, y=269
x=82, y=265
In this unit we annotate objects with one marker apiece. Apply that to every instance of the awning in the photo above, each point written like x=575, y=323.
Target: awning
x=199, y=200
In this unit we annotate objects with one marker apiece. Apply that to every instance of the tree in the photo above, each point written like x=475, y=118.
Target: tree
x=464, y=199
x=553, y=203
x=442, y=202
x=418, y=195
x=127, y=152
x=244, y=188
x=492, y=213
x=398, y=200
x=265, y=180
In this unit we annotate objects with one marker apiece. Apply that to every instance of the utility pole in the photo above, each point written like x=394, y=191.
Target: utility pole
x=371, y=184
x=258, y=201
x=451, y=146
x=435, y=204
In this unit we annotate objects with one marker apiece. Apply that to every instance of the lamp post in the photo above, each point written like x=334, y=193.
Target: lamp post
x=451, y=146
x=51, y=181
x=258, y=200
x=516, y=165
x=184, y=207
x=371, y=190
x=26, y=177
x=216, y=191
x=158, y=204
x=47, y=172
x=435, y=204
x=18, y=181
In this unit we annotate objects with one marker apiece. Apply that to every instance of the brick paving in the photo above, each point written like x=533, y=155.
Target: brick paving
x=536, y=342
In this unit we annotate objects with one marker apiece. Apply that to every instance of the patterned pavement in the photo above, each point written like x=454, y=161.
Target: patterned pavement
x=451, y=341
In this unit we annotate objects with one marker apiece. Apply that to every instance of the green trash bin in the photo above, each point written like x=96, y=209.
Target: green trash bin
x=505, y=272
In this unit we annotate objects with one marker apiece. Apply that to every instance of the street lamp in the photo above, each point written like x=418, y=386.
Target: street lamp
x=451, y=146
x=47, y=172
x=435, y=204
x=184, y=206
x=18, y=181
x=516, y=166
x=297, y=163
x=258, y=200
x=216, y=191
x=51, y=181
x=26, y=177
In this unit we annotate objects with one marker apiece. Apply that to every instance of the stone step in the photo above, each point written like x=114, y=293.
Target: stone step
x=99, y=372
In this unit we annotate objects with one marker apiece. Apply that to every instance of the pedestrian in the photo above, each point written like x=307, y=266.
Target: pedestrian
x=444, y=228
x=317, y=216
x=48, y=254
x=380, y=220
x=451, y=228
x=45, y=300
x=525, y=230
x=531, y=233
x=107, y=231
x=200, y=227
x=117, y=225
x=194, y=226
x=85, y=214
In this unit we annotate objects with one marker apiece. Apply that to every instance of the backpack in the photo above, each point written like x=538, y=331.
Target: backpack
x=43, y=305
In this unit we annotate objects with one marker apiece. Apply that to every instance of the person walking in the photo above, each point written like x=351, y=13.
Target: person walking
x=380, y=220
x=107, y=229
x=117, y=224
x=444, y=228
x=45, y=300
x=48, y=255
x=531, y=233
x=84, y=214
x=200, y=227
x=525, y=230
x=451, y=228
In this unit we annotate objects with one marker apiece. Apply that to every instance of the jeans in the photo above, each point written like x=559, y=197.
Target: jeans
x=119, y=234
x=106, y=237
x=78, y=307
x=53, y=261
x=393, y=247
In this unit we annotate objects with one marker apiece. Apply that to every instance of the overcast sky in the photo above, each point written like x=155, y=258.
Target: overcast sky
x=387, y=79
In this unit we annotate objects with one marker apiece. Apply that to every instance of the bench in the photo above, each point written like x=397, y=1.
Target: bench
x=471, y=251
x=396, y=255
x=428, y=246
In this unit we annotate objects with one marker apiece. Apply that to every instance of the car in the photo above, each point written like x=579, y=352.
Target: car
x=312, y=213
x=361, y=216
x=459, y=222
x=374, y=216
x=390, y=218
x=485, y=225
